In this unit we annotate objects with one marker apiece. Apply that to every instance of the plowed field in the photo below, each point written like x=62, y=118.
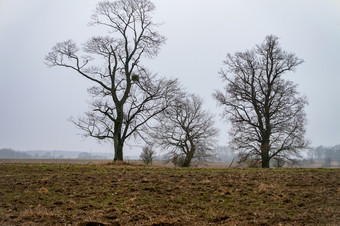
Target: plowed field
x=71, y=194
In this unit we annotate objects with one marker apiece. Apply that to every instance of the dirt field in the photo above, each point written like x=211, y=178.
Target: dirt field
x=78, y=194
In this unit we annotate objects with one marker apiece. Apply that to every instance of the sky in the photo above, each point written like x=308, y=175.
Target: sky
x=36, y=101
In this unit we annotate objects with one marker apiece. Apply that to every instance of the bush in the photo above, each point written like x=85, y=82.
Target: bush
x=253, y=163
x=147, y=155
x=178, y=159
x=279, y=162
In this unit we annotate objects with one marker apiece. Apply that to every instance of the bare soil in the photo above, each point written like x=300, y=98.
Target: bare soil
x=124, y=194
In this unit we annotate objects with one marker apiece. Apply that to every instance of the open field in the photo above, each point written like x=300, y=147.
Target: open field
x=161, y=163
x=45, y=194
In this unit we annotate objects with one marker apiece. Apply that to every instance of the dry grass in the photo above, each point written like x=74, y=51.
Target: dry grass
x=43, y=190
x=37, y=212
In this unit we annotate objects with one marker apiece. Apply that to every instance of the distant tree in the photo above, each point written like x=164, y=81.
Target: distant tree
x=126, y=95
x=84, y=155
x=47, y=155
x=224, y=154
x=186, y=131
x=265, y=110
x=6, y=153
x=147, y=155
x=336, y=149
x=327, y=162
x=317, y=153
x=61, y=156
x=323, y=153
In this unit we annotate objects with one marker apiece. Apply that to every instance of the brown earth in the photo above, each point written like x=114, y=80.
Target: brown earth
x=104, y=194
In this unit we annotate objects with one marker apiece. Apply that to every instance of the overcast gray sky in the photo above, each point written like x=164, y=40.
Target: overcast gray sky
x=36, y=101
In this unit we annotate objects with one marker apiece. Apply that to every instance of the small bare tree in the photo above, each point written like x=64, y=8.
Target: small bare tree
x=147, y=154
x=126, y=95
x=265, y=110
x=279, y=162
x=186, y=130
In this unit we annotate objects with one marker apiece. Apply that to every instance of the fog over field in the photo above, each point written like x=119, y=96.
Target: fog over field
x=36, y=101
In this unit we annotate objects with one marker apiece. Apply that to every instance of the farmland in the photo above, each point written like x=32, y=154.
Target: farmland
x=126, y=194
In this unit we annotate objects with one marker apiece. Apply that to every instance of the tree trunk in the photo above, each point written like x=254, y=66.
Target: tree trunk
x=118, y=149
x=265, y=155
x=265, y=161
x=187, y=161
x=188, y=158
x=118, y=140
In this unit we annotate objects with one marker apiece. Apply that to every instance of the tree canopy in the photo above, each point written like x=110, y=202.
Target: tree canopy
x=125, y=94
x=265, y=110
x=185, y=130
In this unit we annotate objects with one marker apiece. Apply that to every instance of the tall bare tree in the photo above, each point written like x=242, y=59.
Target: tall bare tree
x=265, y=110
x=186, y=130
x=126, y=95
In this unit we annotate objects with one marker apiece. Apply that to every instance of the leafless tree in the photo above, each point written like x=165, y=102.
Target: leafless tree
x=126, y=95
x=185, y=130
x=147, y=155
x=265, y=110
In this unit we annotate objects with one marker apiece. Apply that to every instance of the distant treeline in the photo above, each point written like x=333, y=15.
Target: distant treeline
x=7, y=153
x=323, y=153
x=223, y=154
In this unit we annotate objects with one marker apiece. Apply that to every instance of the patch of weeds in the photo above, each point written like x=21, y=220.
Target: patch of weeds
x=38, y=212
x=120, y=204
x=202, y=197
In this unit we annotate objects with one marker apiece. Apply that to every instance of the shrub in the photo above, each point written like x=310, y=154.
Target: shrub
x=178, y=159
x=279, y=162
x=253, y=163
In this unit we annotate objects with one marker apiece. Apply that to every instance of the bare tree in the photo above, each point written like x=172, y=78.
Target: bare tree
x=147, y=155
x=126, y=95
x=265, y=110
x=186, y=130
